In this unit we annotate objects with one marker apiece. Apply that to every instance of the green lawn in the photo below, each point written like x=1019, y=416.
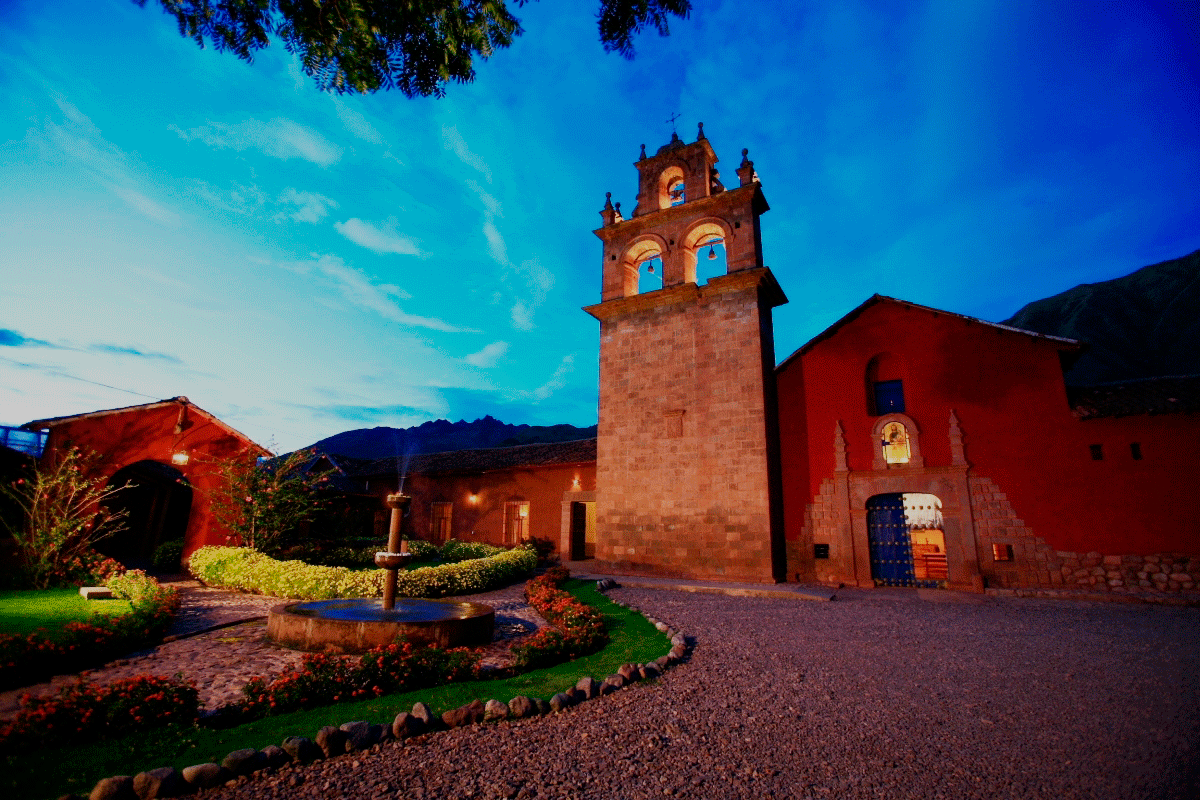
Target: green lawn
x=24, y=611
x=41, y=774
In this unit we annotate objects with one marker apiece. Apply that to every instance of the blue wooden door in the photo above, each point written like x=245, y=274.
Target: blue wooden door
x=890, y=546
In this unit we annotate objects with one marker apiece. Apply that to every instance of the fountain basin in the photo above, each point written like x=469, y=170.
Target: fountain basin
x=357, y=625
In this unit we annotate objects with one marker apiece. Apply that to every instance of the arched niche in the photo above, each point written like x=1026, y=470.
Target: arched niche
x=885, y=429
x=671, y=191
x=157, y=500
x=697, y=236
x=642, y=249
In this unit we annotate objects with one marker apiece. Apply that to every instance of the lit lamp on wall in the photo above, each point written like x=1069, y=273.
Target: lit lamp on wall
x=472, y=498
x=181, y=458
x=575, y=485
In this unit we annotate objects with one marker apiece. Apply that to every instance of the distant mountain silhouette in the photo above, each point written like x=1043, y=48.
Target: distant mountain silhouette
x=1143, y=325
x=442, y=436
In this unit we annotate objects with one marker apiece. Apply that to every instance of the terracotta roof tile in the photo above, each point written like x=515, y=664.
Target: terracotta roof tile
x=1168, y=395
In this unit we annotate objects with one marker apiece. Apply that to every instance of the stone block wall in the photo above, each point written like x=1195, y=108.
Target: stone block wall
x=682, y=466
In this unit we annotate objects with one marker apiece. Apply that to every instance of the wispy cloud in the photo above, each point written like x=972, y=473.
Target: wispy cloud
x=361, y=291
x=79, y=138
x=491, y=211
x=10, y=338
x=239, y=198
x=452, y=140
x=558, y=380
x=488, y=356
x=144, y=205
x=356, y=123
x=522, y=316
x=117, y=350
x=379, y=240
x=278, y=138
x=311, y=207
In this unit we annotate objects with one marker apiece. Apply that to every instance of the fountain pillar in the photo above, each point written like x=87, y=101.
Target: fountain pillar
x=397, y=555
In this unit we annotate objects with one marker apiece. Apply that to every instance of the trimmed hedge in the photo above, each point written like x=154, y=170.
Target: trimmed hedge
x=251, y=571
x=28, y=659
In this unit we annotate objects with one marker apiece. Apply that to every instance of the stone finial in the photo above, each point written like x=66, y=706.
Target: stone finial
x=700, y=135
x=643, y=155
x=958, y=456
x=608, y=214
x=839, y=448
x=746, y=173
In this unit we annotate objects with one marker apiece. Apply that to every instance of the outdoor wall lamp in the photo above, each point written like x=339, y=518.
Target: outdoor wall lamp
x=181, y=458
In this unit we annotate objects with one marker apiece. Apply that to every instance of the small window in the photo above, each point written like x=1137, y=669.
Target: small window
x=889, y=397
x=820, y=551
x=1002, y=552
x=1135, y=450
x=1097, y=451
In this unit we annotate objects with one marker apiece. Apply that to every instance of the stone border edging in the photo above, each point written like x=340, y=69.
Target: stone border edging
x=360, y=735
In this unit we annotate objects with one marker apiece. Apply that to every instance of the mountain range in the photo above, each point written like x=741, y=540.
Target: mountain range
x=1143, y=325
x=440, y=436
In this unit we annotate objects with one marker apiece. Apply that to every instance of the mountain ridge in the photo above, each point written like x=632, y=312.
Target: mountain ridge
x=441, y=435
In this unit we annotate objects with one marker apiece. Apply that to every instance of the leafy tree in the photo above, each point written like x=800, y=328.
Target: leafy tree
x=63, y=515
x=262, y=502
x=417, y=46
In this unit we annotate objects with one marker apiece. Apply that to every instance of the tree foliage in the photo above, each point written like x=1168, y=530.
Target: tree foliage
x=416, y=46
x=62, y=516
x=262, y=502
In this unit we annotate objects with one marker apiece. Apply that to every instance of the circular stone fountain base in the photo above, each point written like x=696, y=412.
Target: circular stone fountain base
x=356, y=626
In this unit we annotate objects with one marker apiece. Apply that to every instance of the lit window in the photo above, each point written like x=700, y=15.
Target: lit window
x=1002, y=552
x=895, y=443
x=889, y=397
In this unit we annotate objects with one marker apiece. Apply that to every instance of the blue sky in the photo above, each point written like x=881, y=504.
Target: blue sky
x=174, y=221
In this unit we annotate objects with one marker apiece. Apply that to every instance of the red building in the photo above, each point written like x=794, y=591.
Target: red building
x=921, y=447
x=164, y=452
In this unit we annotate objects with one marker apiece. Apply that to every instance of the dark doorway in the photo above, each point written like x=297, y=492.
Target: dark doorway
x=159, y=502
x=583, y=531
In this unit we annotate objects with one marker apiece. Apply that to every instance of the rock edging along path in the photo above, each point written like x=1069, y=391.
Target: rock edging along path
x=352, y=737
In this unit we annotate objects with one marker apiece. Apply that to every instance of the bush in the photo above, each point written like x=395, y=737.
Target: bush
x=322, y=678
x=62, y=515
x=82, y=712
x=26, y=659
x=250, y=571
x=454, y=551
x=579, y=628
x=168, y=556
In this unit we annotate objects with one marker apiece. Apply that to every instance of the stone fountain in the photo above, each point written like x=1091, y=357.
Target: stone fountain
x=356, y=625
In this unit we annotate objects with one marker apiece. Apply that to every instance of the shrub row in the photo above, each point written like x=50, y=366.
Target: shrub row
x=579, y=629
x=323, y=678
x=251, y=571
x=82, y=712
x=27, y=659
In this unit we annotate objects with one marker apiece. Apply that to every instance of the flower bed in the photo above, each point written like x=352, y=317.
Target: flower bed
x=82, y=712
x=322, y=678
x=251, y=571
x=579, y=628
x=27, y=659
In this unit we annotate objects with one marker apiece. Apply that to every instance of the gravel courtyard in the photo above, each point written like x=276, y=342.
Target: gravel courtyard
x=878, y=694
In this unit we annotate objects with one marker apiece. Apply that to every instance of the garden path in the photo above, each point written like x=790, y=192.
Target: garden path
x=218, y=639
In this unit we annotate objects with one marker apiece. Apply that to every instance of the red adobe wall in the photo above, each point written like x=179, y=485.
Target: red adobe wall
x=482, y=519
x=1008, y=393
x=124, y=438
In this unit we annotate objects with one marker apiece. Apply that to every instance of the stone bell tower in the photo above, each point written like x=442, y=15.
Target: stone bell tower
x=687, y=472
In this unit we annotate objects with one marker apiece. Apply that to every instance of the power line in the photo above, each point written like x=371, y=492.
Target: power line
x=62, y=374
